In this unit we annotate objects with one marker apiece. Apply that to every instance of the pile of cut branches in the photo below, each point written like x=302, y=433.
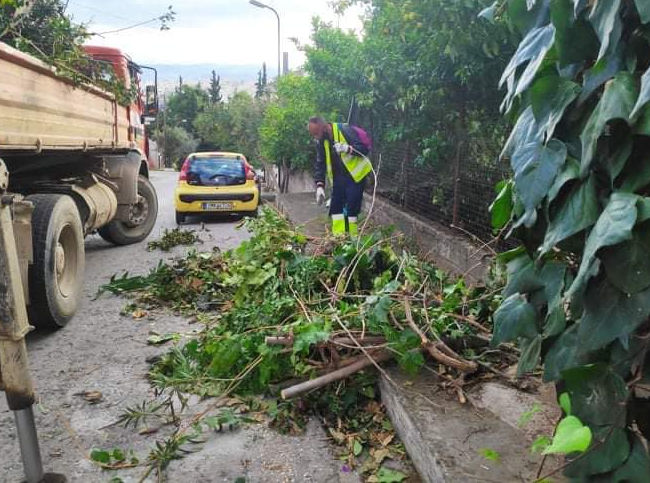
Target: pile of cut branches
x=282, y=316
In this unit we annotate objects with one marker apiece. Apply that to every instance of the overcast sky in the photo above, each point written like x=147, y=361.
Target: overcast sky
x=207, y=31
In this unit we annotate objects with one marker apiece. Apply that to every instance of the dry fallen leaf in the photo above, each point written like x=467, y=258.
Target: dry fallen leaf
x=93, y=397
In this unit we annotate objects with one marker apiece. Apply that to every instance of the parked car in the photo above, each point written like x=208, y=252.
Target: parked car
x=216, y=182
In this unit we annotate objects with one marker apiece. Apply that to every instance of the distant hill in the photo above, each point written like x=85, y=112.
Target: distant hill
x=233, y=77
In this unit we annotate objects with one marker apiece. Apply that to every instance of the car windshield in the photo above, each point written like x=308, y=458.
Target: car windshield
x=216, y=171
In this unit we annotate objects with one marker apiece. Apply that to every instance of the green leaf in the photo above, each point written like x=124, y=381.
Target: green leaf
x=100, y=456
x=610, y=314
x=357, y=448
x=613, y=226
x=531, y=50
x=488, y=12
x=628, y=264
x=411, y=362
x=524, y=132
x=579, y=211
x=501, y=207
x=526, y=416
x=607, y=23
x=636, y=173
x=617, y=103
x=522, y=276
x=530, y=356
x=308, y=336
x=571, y=436
x=524, y=17
x=637, y=466
x=535, y=167
x=611, y=452
x=575, y=39
x=616, y=161
x=564, y=354
x=490, y=454
x=550, y=96
x=644, y=94
x=598, y=395
x=644, y=10
x=540, y=444
x=643, y=208
x=601, y=72
x=565, y=403
x=387, y=475
x=516, y=317
x=569, y=172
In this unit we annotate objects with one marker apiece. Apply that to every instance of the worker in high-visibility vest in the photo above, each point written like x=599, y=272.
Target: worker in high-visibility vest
x=341, y=158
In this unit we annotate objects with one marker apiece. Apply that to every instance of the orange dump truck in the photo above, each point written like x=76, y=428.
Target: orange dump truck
x=77, y=164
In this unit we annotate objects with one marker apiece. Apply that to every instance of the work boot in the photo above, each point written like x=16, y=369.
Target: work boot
x=338, y=225
x=353, y=226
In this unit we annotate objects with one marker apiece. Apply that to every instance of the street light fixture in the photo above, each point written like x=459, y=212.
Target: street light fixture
x=263, y=5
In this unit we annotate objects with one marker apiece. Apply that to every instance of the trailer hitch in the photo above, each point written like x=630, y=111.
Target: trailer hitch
x=15, y=378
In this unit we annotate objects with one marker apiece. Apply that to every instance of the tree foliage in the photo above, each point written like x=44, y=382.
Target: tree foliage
x=579, y=288
x=176, y=144
x=283, y=133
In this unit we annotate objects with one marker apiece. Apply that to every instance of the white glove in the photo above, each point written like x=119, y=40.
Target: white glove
x=320, y=195
x=341, y=148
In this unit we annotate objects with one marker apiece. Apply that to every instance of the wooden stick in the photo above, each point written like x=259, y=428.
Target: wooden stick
x=439, y=350
x=334, y=376
x=279, y=340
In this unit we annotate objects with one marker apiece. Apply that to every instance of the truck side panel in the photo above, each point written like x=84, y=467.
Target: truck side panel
x=40, y=111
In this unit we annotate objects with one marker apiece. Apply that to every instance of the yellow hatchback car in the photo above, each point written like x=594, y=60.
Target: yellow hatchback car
x=216, y=182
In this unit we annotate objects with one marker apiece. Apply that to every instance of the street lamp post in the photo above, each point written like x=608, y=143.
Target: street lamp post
x=263, y=5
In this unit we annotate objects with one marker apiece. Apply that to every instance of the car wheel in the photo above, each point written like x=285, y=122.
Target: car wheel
x=180, y=218
x=56, y=275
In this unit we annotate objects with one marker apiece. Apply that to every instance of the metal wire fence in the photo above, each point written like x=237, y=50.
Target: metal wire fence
x=447, y=178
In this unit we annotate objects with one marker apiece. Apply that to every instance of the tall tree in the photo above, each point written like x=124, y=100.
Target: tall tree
x=261, y=88
x=215, y=89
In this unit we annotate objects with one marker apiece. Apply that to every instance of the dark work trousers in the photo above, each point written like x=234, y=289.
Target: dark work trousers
x=346, y=195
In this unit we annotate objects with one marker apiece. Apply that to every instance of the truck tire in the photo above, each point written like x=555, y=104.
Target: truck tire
x=144, y=215
x=56, y=275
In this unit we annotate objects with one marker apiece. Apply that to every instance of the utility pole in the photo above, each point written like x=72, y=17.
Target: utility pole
x=258, y=4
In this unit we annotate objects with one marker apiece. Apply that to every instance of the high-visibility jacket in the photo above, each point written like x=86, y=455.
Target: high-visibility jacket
x=356, y=165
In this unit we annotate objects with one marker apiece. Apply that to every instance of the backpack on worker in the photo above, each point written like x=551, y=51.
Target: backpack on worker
x=363, y=136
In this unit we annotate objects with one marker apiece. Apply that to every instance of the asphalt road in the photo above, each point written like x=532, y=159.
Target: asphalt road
x=100, y=350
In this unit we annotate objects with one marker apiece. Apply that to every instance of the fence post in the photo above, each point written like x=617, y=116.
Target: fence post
x=454, y=221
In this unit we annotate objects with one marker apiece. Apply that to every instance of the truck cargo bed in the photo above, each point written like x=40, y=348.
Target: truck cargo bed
x=40, y=111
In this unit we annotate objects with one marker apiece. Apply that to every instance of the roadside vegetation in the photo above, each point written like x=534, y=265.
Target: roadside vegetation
x=292, y=327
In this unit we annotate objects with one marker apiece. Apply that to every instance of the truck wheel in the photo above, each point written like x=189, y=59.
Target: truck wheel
x=142, y=218
x=180, y=218
x=56, y=275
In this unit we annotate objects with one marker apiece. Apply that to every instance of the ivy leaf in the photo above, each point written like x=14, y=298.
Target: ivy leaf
x=308, y=336
x=602, y=71
x=525, y=18
x=540, y=444
x=628, y=264
x=515, y=318
x=565, y=403
x=644, y=94
x=570, y=171
x=605, y=457
x=550, y=96
x=636, y=467
x=579, y=211
x=616, y=161
x=525, y=131
x=643, y=209
x=571, y=436
x=607, y=23
x=411, y=362
x=536, y=167
x=617, y=103
x=613, y=226
x=530, y=356
x=501, y=207
x=598, y=395
x=637, y=173
x=575, y=39
x=564, y=354
x=522, y=276
x=644, y=10
x=610, y=314
x=531, y=50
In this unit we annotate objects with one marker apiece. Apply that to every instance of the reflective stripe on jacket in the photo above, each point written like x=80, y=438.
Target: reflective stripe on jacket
x=359, y=167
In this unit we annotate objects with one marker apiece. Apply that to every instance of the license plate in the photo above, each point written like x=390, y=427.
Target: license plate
x=218, y=206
